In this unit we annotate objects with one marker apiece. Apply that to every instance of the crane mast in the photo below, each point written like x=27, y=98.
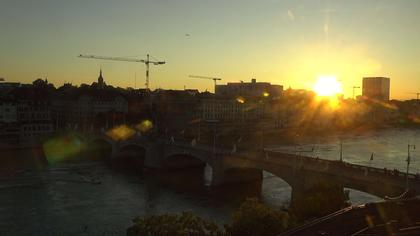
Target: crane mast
x=147, y=62
x=418, y=94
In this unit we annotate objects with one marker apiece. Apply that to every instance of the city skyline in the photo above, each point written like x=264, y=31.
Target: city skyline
x=290, y=43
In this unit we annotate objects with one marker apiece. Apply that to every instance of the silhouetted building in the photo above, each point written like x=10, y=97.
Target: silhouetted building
x=175, y=109
x=253, y=89
x=82, y=111
x=34, y=116
x=230, y=110
x=376, y=88
x=9, y=85
x=9, y=128
x=8, y=111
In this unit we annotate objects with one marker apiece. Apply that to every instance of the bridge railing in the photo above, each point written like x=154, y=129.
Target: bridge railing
x=340, y=164
x=386, y=171
x=200, y=147
x=301, y=158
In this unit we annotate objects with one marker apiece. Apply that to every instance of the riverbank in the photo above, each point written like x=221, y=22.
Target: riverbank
x=13, y=159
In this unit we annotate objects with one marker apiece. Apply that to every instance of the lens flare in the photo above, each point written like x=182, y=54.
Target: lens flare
x=122, y=132
x=62, y=148
x=144, y=126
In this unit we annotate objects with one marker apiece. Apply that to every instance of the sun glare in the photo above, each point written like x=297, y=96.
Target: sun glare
x=327, y=86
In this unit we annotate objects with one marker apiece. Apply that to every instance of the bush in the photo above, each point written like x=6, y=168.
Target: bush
x=254, y=218
x=186, y=224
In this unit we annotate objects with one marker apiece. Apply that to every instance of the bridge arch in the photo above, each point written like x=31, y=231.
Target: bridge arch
x=183, y=160
x=284, y=173
x=134, y=147
x=275, y=190
x=186, y=171
x=131, y=156
x=100, y=148
x=380, y=190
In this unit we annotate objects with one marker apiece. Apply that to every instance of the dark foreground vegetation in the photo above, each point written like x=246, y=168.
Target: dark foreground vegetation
x=252, y=218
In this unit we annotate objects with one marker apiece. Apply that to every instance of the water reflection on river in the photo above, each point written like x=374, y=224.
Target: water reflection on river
x=59, y=200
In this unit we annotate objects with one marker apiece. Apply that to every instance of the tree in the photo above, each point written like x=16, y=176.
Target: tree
x=40, y=83
x=322, y=199
x=255, y=218
x=186, y=224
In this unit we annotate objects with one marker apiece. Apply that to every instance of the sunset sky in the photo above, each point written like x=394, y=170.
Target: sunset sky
x=288, y=42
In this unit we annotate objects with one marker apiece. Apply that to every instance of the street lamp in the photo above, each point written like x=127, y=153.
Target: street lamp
x=241, y=102
x=409, y=148
x=355, y=87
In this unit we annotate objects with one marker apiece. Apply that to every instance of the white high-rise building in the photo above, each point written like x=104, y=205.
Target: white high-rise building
x=376, y=88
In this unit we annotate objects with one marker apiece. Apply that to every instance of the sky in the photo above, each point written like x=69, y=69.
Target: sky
x=287, y=42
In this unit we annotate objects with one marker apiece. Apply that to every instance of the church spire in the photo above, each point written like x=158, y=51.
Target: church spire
x=101, y=82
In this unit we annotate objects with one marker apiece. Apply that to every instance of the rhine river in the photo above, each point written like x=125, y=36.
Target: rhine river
x=91, y=199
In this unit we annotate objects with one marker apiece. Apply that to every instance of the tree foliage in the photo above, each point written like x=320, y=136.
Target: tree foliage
x=255, y=218
x=320, y=200
x=251, y=219
x=186, y=224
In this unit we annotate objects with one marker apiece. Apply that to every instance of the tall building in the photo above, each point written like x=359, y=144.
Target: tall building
x=249, y=90
x=376, y=88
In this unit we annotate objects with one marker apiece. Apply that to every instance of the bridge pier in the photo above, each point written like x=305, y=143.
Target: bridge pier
x=236, y=175
x=115, y=151
x=236, y=184
x=154, y=155
x=313, y=196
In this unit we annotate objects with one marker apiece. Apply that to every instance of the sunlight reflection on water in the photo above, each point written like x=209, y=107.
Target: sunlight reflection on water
x=388, y=146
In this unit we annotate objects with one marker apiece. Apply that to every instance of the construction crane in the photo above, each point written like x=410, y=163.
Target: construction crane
x=418, y=94
x=147, y=62
x=354, y=88
x=206, y=77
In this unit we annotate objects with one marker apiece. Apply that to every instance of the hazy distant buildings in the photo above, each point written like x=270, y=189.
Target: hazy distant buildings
x=253, y=89
x=9, y=85
x=8, y=111
x=89, y=107
x=376, y=88
x=35, y=119
x=230, y=110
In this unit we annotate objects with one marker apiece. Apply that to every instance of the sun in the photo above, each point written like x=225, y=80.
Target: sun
x=327, y=86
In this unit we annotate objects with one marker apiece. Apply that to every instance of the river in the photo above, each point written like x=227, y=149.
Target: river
x=67, y=199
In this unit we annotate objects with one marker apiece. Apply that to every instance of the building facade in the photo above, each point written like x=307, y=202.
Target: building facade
x=230, y=110
x=376, y=88
x=82, y=111
x=253, y=89
x=8, y=111
x=34, y=117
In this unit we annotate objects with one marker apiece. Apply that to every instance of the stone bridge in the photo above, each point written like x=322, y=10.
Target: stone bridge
x=303, y=174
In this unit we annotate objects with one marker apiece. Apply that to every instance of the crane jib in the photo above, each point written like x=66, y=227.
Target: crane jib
x=147, y=62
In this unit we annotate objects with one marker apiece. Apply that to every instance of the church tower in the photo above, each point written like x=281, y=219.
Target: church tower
x=101, y=83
